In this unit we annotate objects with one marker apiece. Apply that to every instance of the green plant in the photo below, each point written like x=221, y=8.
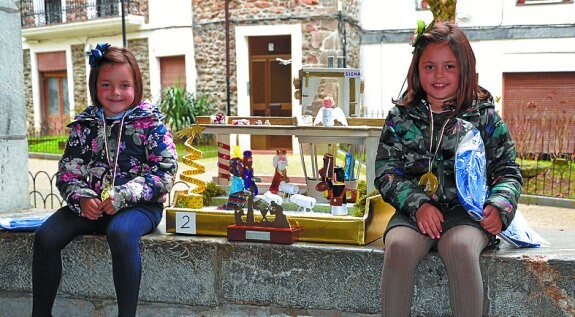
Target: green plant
x=212, y=190
x=181, y=108
x=47, y=144
x=363, y=196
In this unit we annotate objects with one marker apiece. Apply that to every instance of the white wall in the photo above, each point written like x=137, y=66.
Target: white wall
x=390, y=14
x=170, y=34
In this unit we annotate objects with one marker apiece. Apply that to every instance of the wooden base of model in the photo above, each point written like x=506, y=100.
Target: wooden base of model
x=263, y=234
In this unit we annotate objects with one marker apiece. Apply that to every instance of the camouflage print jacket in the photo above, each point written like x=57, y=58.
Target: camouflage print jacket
x=403, y=157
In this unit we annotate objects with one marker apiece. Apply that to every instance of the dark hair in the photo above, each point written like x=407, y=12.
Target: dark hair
x=116, y=55
x=469, y=89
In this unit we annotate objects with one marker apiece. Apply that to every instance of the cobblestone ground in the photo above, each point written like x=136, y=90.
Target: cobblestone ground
x=537, y=216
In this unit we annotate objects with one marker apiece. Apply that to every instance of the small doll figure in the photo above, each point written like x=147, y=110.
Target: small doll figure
x=219, y=118
x=328, y=114
x=237, y=196
x=280, y=220
x=280, y=163
x=248, y=175
x=326, y=173
x=337, y=197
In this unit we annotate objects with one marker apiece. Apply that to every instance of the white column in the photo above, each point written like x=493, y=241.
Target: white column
x=13, y=143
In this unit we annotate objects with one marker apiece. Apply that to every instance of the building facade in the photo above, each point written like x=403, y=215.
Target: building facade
x=59, y=34
x=245, y=54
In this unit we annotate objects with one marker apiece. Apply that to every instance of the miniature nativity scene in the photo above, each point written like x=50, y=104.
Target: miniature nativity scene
x=327, y=204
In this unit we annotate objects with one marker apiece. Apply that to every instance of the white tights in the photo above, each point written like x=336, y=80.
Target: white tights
x=459, y=249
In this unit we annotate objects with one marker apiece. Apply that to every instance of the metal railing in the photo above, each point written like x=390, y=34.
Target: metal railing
x=42, y=13
x=541, y=177
x=45, y=195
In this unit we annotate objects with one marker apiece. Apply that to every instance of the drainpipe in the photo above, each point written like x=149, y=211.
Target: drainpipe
x=227, y=27
x=342, y=31
x=123, y=25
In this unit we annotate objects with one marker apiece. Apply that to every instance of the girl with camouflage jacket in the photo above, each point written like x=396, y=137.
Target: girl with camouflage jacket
x=415, y=173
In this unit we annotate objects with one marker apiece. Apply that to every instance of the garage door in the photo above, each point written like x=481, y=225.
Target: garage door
x=539, y=109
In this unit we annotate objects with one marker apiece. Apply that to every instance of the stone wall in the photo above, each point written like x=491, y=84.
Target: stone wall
x=319, y=31
x=210, y=276
x=28, y=95
x=81, y=100
x=140, y=49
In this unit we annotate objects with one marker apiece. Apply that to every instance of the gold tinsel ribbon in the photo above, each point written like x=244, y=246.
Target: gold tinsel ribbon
x=193, y=198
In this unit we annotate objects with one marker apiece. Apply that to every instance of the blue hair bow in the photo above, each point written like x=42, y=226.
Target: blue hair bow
x=97, y=54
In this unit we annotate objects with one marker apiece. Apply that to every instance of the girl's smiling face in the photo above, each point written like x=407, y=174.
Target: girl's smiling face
x=439, y=74
x=115, y=87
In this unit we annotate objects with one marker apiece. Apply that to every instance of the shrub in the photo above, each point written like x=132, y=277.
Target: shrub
x=181, y=108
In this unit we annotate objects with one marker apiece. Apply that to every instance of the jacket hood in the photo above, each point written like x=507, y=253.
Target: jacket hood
x=144, y=109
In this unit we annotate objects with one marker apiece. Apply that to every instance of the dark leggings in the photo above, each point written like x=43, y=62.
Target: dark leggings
x=123, y=232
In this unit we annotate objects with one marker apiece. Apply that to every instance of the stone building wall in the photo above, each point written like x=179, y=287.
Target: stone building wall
x=319, y=32
x=140, y=49
x=28, y=95
x=81, y=99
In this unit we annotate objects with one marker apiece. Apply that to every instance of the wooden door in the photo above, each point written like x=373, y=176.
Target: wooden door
x=270, y=86
x=55, y=105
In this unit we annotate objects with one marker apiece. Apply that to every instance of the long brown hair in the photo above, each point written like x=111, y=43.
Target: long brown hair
x=116, y=55
x=469, y=89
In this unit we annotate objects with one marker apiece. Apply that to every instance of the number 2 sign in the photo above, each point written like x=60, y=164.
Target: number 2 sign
x=186, y=222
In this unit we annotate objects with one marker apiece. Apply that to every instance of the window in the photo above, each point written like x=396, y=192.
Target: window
x=53, y=10
x=173, y=71
x=421, y=5
x=534, y=2
x=108, y=8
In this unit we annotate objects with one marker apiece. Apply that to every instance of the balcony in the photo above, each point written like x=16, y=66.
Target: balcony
x=49, y=19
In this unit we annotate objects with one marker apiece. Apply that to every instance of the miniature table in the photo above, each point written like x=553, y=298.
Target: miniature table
x=367, y=136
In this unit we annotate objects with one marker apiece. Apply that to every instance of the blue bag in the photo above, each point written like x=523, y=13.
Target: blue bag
x=25, y=223
x=472, y=191
x=470, y=170
x=520, y=235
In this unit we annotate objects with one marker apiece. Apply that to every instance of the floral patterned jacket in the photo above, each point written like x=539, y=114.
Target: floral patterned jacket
x=147, y=161
x=403, y=156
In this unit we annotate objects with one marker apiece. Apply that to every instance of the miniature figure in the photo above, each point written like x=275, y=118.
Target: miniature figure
x=328, y=114
x=305, y=202
x=280, y=220
x=326, y=173
x=248, y=174
x=288, y=188
x=219, y=118
x=269, y=197
x=280, y=164
x=237, y=196
x=337, y=193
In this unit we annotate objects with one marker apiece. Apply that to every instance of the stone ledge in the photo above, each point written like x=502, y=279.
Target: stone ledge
x=207, y=276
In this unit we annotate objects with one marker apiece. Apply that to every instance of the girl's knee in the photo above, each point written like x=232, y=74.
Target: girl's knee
x=47, y=239
x=122, y=239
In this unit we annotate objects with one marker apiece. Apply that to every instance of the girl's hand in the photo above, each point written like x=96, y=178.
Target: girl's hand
x=429, y=220
x=91, y=208
x=492, y=221
x=107, y=207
